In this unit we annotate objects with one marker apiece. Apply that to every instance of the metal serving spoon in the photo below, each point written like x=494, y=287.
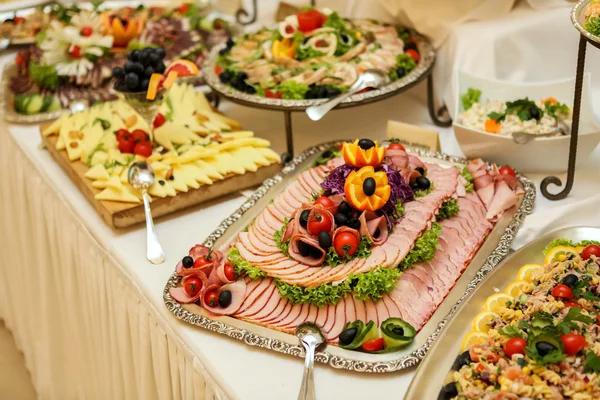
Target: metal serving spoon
x=141, y=177
x=524, y=137
x=371, y=78
x=311, y=338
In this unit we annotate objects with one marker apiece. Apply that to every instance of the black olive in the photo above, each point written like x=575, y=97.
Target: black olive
x=324, y=239
x=315, y=253
x=160, y=52
x=376, y=233
x=354, y=223
x=118, y=72
x=420, y=170
x=544, y=348
x=347, y=336
x=332, y=92
x=187, y=262
x=340, y=219
x=423, y=182
x=570, y=280
x=327, y=154
x=304, y=249
x=224, y=51
x=225, y=298
x=461, y=360
x=134, y=55
x=230, y=43
x=321, y=92
x=344, y=208
x=242, y=76
x=534, y=112
x=172, y=177
x=366, y=144
x=160, y=67
x=410, y=45
x=161, y=182
x=400, y=72
x=306, y=39
x=132, y=81
x=149, y=71
x=449, y=391
x=310, y=94
x=369, y=186
x=414, y=186
x=304, y=217
x=398, y=331
x=144, y=84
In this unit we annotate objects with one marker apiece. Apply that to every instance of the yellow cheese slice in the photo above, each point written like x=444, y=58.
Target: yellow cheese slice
x=162, y=137
x=54, y=128
x=157, y=190
x=122, y=195
x=91, y=139
x=269, y=154
x=99, y=157
x=97, y=172
x=209, y=170
x=178, y=182
x=60, y=144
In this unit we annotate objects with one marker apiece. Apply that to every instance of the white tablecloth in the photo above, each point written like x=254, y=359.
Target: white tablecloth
x=86, y=307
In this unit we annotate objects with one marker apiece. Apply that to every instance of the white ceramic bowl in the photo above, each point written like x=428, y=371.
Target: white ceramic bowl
x=548, y=155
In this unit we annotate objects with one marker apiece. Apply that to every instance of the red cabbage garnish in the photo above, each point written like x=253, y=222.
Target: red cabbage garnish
x=334, y=184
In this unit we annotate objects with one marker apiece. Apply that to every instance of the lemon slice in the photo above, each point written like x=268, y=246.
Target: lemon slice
x=579, y=249
x=497, y=301
x=518, y=287
x=527, y=271
x=559, y=253
x=472, y=338
x=481, y=321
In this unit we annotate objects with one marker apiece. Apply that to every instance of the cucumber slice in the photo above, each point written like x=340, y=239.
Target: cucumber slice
x=364, y=333
x=35, y=104
x=47, y=103
x=397, y=333
x=55, y=105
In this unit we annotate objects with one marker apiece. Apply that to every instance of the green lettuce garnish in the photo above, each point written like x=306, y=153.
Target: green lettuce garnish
x=423, y=193
x=406, y=62
x=471, y=97
x=283, y=246
x=567, y=242
x=557, y=108
x=399, y=208
x=44, y=75
x=364, y=250
x=242, y=266
x=293, y=90
x=374, y=284
x=592, y=25
x=469, y=186
x=449, y=209
x=330, y=153
x=424, y=249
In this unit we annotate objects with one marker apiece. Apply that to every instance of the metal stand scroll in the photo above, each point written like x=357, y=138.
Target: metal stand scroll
x=433, y=113
x=241, y=15
x=574, y=132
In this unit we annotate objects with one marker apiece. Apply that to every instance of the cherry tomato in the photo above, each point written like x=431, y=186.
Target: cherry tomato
x=515, y=345
x=183, y=8
x=572, y=304
x=201, y=261
x=573, y=343
x=396, y=146
x=345, y=243
x=325, y=201
x=126, y=144
x=413, y=54
x=598, y=319
x=18, y=20
x=590, y=250
x=192, y=286
x=480, y=368
x=492, y=357
x=159, y=120
x=75, y=52
x=230, y=272
x=506, y=170
x=218, y=70
x=373, y=345
x=562, y=291
x=310, y=20
x=211, y=298
x=87, y=31
x=139, y=136
x=143, y=149
x=318, y=222
x=273, y=95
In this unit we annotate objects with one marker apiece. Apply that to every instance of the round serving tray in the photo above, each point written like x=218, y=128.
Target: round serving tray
x=423, y=68
x=577, y=18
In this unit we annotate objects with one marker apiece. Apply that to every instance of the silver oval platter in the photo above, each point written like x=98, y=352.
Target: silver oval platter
x=493, y=249
x=432, y=373
x=424, y=66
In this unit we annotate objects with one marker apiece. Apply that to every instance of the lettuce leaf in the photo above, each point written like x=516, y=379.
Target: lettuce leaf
x=423, y=193
x=283, y=246
x=44, y=75
x=364, y=250
x=449, y=209
x=592, y=25
x=465, y=173
x=375, y=284
x=425, y=248
x=568, y=242
x=242, y=266
x=293, y=90
x=471, y=97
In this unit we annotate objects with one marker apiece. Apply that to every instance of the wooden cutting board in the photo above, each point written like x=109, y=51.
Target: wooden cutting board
x=123, y=215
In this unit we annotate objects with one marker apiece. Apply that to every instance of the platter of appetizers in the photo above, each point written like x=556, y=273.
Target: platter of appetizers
x=585, y=16
x=314, y=55
x=74, y=49
x=197, y=154
x=529, y=330
x=372, y=244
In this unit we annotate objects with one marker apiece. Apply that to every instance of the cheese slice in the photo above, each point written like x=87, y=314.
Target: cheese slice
x=122, y=195
x=192, y=175
x=162, y=137
x=97, y=172
x=209, y=170
x=54, y=128
x=60, y=144
x=98, y=157
x=157, y=189
x=91, y=139
x=269, y=154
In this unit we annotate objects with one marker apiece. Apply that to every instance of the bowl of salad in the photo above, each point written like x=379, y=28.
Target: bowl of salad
x=488, y=111
x=314, y=55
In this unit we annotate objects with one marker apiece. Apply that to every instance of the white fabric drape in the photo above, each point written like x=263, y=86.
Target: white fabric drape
x=83, y=328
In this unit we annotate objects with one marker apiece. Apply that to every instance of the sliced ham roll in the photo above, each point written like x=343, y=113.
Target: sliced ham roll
x=238, y=292
x=217, y=275
x=510, y=180
x=374, y=227
x=292, y=229
x=476, y=165
x=309, y=260
x=504, y=198
x=342, y=229
x=178, y=293
x=415, y=162
x=196, y=252
x=397, y=158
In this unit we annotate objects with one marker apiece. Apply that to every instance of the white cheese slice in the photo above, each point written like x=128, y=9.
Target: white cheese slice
x=97, y=172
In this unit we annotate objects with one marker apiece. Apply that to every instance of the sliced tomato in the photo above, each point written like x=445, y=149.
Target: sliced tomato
x=515, y=345
x=573, y=343
x=396, y=146
x=19, y=59
x=506, y=170
x=480, y=368
x=87, y=31
x=562, y=291
x=159, y=120
x=572, y=304
x=373, y=345
x=75, y=52
x=218, y=70
x=273, y=95
x=589, y=251
x=182, y=9
x=310, y=20
x=413, y=54
x=19, y=20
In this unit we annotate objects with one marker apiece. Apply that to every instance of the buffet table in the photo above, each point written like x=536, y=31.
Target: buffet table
x=86, y=307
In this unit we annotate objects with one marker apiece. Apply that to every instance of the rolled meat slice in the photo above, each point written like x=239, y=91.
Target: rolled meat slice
x=482, y=181
x=238, y=291
x=306, y=250
x=342, y=229
x=397, y=158
x=504, y=198
x=196, y=252
x=314, y=210
x=415, y=162
x=178, y=293
x=475, y=165
x=374, y=227
x=217, y=275
x=336, y=199
x=510, y=180
x=292, y=229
